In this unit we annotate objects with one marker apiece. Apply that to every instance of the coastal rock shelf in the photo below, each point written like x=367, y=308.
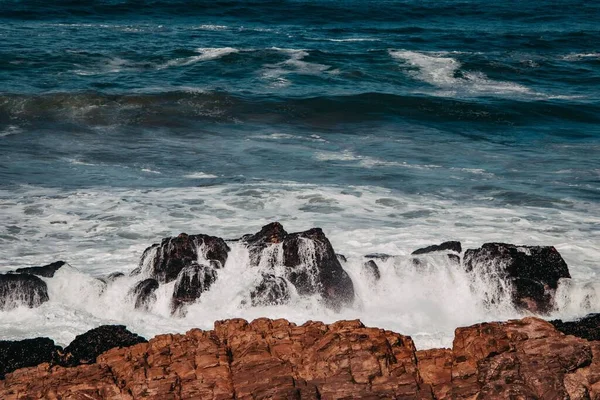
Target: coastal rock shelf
x=304, y=264
x=276, y=359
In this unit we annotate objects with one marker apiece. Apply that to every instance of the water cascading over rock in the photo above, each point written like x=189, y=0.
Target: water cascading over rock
x=529, y=274
x=191, y=260
x=307, y=259
x=22, y=290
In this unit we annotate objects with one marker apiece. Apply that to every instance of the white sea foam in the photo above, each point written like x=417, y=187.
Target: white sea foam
x=10, y=130
x=444, y=72
x=200, y=175
x=205, y=54
x=294, y=65
x=106, y=231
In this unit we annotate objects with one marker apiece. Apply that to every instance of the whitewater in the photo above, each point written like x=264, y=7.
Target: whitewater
x=391, y=125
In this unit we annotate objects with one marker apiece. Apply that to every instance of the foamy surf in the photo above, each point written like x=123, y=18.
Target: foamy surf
x=107, y=232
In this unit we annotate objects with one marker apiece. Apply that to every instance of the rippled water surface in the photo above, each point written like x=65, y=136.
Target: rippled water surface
x=390, y=124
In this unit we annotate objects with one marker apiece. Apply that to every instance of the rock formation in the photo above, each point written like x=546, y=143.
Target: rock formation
x=22, y=290
x=275, y=359
x=46, y=271
x=532, y=272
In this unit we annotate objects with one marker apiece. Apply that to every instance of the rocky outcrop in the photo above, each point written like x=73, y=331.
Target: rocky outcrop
x=165, y=261
x=271, y=290
x=86, y=347
x=22, y=290
x=26, y=353
x=532, y=272
x=446, y=247
x=83, y=350
x=371, y=270
x=47, y=271
x=310, y=263
x=143, y=293
x=275, y=359
x=192, y=281
x=587, y=327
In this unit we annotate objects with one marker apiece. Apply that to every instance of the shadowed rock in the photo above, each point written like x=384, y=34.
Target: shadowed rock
x=47, y=271
x=532, y=271
x=372, y=270
x=587, y=327
x=192, y=281
x=22, y=290
x=164, y=262
x=86, y=347
x=314, y=268
x=379, y=256
x=270, y=234
x=26, y=353
x=272, y=290
x=310, y=262
x=143, y=293
x=446, y=246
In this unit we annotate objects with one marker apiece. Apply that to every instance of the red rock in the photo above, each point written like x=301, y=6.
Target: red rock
x=275, y=359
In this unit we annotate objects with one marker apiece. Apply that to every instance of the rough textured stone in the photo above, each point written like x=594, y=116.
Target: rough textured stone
x=271, y=290
x=587, y=327
x=192, y=281
x=310, y=262
x=26, y=353
x=86, y=347
x=143, y=293
x=22, y=290
x=275, y=359
x=446, y=246
x=47, y=271
x=372, y=270
x=164, y=262
x=532, y=271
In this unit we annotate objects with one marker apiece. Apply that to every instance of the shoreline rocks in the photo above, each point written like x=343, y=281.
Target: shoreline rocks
x=521, y=359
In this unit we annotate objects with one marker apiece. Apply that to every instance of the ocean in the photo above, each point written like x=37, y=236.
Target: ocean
x=390, y=124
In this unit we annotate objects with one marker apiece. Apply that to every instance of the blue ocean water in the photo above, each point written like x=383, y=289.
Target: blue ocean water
x=390, y=123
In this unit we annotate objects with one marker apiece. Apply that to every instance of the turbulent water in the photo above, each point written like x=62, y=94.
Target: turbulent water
x=389, y=124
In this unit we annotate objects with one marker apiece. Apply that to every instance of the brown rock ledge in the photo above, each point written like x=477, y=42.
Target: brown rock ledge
x=276, y=359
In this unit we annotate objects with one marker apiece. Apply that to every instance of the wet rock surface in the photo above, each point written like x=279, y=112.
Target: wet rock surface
x=191, y=282
x=533, y=271
x=46, y=271
x=22, y=290
x=165, y=261
x=446, y=246
x=272, y=290
x=587, y=327
x=371, y=269
x=143, y=293
x=86, y=347
x=26, y=353
x=276, y=359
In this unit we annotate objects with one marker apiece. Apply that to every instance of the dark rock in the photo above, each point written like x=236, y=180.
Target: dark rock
x=341, y=257
x=379, y=256
x=314, y=268
x=114, y=276
x=192, y=281
x=372, y=270
x=587, y=327
x=22, y=289
x=272, y=233
x=533, y=271
x=143, y=293
x=454, y=258
x=164, y=262
x=47, y=271
x=446, y=246
x=272, y=290
x=26, y=353
x=86, y=347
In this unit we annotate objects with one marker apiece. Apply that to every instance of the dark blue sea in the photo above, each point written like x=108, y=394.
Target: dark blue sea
x=390, y=124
